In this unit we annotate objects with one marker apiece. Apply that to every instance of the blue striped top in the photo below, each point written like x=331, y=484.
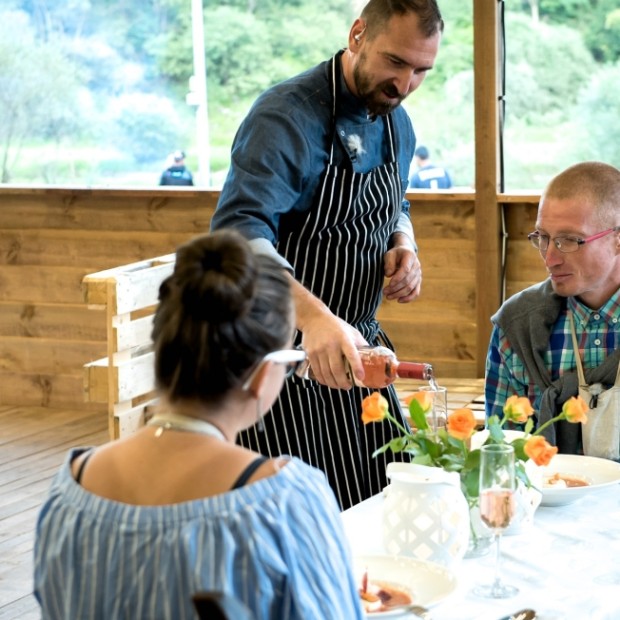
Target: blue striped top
x=277, y=545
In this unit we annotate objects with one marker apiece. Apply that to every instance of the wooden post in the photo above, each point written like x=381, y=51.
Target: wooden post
x=488, y=222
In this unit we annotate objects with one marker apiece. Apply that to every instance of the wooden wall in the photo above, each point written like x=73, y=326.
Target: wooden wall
x=51, y=238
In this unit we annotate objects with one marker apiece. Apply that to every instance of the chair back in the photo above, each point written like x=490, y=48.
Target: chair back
x=220, y=606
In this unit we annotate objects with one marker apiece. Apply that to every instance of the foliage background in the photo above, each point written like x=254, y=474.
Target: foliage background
x=92, y=92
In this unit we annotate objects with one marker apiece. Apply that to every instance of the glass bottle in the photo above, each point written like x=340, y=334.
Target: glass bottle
x=381, y=368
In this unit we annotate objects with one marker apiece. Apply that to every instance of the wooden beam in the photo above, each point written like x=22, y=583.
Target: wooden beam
x=487, y=218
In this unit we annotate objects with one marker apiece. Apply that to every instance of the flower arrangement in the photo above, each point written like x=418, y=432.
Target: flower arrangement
x=449, y=447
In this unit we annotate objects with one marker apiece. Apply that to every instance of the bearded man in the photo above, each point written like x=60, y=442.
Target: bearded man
x=318, y=176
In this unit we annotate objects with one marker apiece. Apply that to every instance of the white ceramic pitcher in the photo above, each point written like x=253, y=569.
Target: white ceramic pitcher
x=425, y=514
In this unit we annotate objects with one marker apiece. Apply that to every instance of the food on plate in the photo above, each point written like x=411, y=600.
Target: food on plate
x=382, y=595
x=564, y=481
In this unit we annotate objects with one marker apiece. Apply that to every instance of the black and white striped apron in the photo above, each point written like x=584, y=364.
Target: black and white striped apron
x=337, y=254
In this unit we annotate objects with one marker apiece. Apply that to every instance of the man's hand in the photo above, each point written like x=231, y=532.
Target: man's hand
x=328, y=341
x=402, y=267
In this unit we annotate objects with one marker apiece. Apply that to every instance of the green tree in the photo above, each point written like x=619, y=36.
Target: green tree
x=145, y=126
x=597, y=109
x=38, y=90
x=546, y=65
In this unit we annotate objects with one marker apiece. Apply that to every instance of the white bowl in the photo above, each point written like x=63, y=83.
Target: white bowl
x=598, y=472
x=428, y=583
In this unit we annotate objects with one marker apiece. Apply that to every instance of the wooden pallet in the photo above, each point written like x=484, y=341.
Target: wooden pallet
x=125, y=379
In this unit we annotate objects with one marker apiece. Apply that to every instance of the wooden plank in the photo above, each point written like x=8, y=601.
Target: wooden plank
x=137, y=283
x=58, y=391
x=520, y=217
x=430, y=339
x=437, y=221
x=139, y=289
x=25, y=455
x=55, y=321
x=446, y=258
x=104, y=249
x=129, y=421
x=524, y=263
x=35, y=284
x=102, y=210
x=32, y=450
x=445, y=299
x=132, y=378
x=27, y=422
x=487, y=220
x=47, y=356
x=134, y=333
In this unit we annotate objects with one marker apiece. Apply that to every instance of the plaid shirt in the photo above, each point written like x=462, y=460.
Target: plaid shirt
x=598, y=335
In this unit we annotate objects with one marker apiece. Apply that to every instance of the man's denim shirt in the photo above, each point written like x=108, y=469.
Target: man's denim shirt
x=282, y=149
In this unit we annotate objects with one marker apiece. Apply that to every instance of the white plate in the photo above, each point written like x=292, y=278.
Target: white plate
x=428, y=583
x=598, y=472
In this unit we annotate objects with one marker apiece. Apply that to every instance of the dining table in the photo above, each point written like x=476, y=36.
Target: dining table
x=565, y=563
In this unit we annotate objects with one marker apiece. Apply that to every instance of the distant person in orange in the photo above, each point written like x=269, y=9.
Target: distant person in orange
x=428, y=175
x=177, y=173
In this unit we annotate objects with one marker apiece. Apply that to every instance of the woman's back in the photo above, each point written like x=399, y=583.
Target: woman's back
x=138, y=526
x=277, y=545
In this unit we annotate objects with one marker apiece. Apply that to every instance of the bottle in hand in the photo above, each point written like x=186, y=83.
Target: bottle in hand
x=381, y=368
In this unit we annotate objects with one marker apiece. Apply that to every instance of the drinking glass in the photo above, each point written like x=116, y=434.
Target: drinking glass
x=438, y=415
x=497, y=507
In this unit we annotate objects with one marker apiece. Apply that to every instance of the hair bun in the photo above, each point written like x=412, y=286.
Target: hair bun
x=217, y=277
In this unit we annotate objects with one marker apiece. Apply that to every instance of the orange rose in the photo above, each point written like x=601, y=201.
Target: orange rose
x=539, y=450
x=425, y=400
x=518, y=409
x=575, y=409
x=461, y=424
x=374, y=408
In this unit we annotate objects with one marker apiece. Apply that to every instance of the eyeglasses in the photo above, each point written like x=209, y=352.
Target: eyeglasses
x=566, y=243
x=290, y=358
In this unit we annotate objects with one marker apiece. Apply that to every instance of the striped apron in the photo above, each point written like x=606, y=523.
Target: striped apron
x=337, y=253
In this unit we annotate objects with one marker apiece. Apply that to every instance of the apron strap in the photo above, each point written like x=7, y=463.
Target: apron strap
x=582, y=379
x=335, y=75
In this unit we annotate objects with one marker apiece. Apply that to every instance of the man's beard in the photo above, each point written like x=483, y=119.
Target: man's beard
x=374, y=98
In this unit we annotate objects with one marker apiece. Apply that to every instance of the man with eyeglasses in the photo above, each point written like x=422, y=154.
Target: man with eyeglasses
x=533, y=351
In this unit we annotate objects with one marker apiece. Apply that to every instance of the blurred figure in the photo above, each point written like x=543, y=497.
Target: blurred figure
x=177, y=173
x=428, y=175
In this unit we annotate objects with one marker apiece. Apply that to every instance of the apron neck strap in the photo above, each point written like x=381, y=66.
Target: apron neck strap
x=336, y=71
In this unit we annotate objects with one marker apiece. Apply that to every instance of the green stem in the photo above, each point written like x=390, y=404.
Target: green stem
x=398, y=424
x=540, y=429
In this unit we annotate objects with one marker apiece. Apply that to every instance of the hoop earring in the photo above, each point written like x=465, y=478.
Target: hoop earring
x=260, y=426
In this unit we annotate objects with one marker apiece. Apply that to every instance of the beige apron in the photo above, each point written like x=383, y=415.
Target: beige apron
x=601, y=434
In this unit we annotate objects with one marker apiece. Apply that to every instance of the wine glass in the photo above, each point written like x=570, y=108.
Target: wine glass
x=497, y=506
x=438, y=415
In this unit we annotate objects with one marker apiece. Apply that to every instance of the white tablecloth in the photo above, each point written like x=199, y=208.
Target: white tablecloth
x=566, y=565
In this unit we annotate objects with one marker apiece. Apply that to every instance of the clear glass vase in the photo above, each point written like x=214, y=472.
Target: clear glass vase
x=480, y=536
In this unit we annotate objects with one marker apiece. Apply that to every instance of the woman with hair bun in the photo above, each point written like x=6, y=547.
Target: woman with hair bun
x=134, y=528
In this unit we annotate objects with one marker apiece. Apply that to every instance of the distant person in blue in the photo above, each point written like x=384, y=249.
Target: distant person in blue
x=177, y=173
x=428, y=175
x=134, y=528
